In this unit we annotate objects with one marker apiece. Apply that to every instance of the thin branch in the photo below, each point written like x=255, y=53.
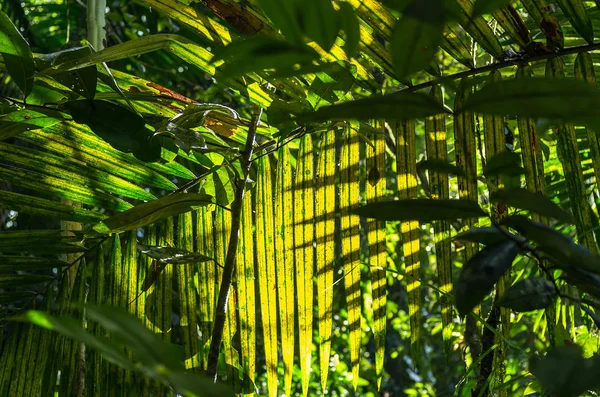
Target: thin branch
x=236, y=211
x=512, y=61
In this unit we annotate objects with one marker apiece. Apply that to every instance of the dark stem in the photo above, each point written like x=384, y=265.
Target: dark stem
x=236, y=211
x=513, y=61
x=487, y=363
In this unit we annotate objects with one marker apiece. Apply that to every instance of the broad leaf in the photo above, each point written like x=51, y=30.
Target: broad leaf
x=482, y=235
x=257, y=53
x=529, y=294
x=423, y=210
x=153, y=211
x=14, y=123
x=82, y=81
x=318, y=20
x=557, y=245
x=284, y=15
x=118, y=126
x=397, y=106
x=564, y=372
x=17, y=280
x=73, y=329
x=416, y=36
x=349, y=24
x=534, y=202
x=481, y=272
x=17, y=55
x=504, y=163
x=566, y=100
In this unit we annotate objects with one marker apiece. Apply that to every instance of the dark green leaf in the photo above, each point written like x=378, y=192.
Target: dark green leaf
x=82, y=81
x=482, y=235
x=564, y=372
x=257, y=53
x=487, y=6
x=557, y=245
x=417, y=36
x=118, y=126
x=349, y=24
x=146, y=345
x=11, y=297
x=199, y=385
x=423, y=210
x=152, y=211
x=319, y=21
x=481, y=272
x=396, y=106
x=17, y=280
x=527, y=200
x=504, y=163
x=10, y=263
x=284, y=15
x=17, y=55
x=567, y=100
x=530, y=294
x=73, y=329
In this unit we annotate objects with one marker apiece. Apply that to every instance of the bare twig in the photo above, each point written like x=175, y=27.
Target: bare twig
x=236, y=210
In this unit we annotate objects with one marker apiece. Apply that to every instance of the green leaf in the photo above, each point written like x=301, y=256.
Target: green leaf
x=13, y=263
x=257, y=53
x=529, y=294
x=72, y=328
x=417, y=36
x=185, y=49
x=564, y=372
x=82, y=81
x=566, y=100
x=482, y=7
x=331, y=85
x=153, y=211
x=11, y=297
x=504, y=163
x=22, y=120
x=568, y=254
x=201, y=386
x=318, y=19
x=481, y=272
x=531, y=201
x=17, y=55
x=482, y=235
x=396, y=106
x=17, y=280
x=349, y=24
x=118, y=126
x=284, y=15
x=423, y=210
x=146, y=345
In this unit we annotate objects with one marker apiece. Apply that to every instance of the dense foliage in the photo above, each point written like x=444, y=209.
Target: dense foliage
x=299, y=197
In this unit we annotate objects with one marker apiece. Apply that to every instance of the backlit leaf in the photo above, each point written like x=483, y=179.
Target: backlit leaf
x=153, y=211
x=17, y=55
